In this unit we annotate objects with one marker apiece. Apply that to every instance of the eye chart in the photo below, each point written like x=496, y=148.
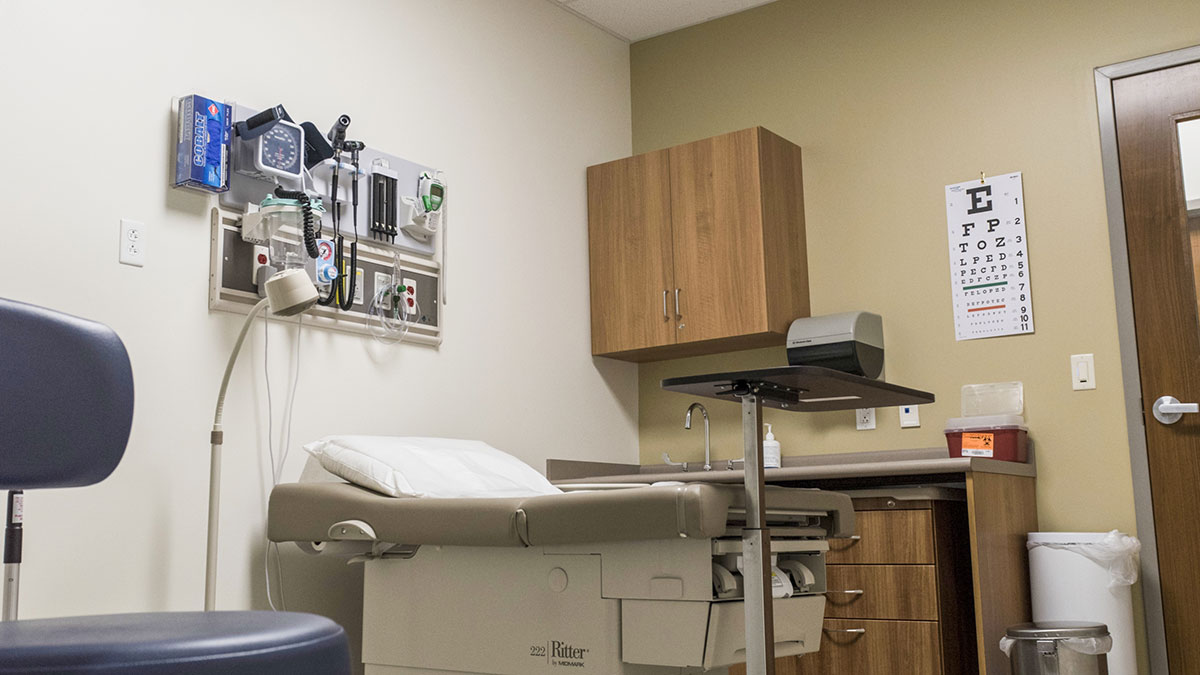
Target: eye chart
x=989, y=258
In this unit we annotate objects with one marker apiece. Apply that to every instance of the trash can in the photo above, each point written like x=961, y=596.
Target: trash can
x=1057, y=648
x=1086, y=576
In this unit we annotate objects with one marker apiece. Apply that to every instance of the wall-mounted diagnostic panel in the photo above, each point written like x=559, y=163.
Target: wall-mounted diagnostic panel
x=367, y=226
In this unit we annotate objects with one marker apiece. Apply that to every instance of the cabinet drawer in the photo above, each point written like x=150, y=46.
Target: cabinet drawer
x=902, y=537
x=881, y=648
x=882, y=592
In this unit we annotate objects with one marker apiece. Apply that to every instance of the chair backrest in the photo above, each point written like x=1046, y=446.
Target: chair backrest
x=66, y=398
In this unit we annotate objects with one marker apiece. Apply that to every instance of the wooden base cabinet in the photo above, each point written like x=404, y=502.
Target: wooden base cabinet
x=697, y=249
x=900, y=599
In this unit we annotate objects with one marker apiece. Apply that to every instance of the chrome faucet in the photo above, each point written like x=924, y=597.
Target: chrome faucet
x=687, y=424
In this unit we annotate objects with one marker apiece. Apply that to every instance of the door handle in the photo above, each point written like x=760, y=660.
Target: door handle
x=665, y=317
x=858, y=631
x=855, y=591
x=1168, y=409
x=677, y=314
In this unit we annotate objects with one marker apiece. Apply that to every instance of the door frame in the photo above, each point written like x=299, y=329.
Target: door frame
x=1130, y=372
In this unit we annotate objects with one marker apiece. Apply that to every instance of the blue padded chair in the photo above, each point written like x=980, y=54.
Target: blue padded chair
x=66, y=406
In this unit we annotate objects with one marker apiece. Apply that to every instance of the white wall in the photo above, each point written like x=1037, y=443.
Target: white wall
x=522, y=98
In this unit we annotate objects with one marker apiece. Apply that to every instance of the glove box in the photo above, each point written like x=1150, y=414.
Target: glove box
x=683, y=633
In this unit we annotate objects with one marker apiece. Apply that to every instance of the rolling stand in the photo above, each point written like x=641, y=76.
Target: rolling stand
x=796, y=389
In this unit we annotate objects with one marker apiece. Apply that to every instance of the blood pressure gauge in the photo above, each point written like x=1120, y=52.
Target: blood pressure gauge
x=280, y=151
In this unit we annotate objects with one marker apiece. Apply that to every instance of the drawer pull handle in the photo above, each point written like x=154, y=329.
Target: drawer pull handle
x=853, y=591
x=779, y=646
x=857, y=631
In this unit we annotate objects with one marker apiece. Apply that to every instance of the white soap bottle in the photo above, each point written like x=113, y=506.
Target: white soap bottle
x=772, y=454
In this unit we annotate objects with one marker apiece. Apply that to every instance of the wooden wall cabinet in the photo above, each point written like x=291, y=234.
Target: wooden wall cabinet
x=698, y=248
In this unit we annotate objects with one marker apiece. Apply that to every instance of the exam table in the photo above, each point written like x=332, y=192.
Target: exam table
x=637, y=581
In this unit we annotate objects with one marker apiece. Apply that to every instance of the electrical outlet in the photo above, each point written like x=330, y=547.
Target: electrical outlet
x=359, y=289
x=382, y=283
x=262, y=258
x=410, y=297
x=909, y=417
x=133, y=243
x=864, y=419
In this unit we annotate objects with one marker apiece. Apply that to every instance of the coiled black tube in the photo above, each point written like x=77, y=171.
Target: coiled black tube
x=310, y=236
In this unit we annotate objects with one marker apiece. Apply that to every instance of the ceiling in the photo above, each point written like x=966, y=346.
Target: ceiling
x=633, y=20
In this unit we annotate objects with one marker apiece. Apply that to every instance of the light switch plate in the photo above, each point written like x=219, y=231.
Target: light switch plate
x=909, y=417
x=133, y=243
x=1083, y=372
x=864, y=419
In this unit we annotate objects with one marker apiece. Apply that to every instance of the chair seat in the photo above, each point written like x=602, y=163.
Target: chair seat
x=181, y=643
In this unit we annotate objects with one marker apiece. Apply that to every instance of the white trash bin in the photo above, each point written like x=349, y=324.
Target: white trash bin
x=1086, y=576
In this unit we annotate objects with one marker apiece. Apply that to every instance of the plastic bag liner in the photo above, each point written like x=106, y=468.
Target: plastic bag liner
x=1115, y=552
x=1093, y=646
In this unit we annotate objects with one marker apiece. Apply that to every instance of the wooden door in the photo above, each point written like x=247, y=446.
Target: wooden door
x=629, y=239
x=1148, y=108
x=716, y=218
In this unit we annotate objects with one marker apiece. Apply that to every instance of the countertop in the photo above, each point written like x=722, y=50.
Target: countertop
x=926, y=463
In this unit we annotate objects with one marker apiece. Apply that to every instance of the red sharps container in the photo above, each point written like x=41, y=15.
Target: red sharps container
x=994, y=436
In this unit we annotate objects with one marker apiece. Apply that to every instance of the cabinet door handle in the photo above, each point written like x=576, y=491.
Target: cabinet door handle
x=665, y=316
x=677, y=314
x=845, y=630
x=854, y=591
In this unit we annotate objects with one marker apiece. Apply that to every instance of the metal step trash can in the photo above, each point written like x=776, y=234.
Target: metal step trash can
x=1058, y=648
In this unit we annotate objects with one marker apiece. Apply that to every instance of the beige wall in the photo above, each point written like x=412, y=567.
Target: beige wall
x=891, y=101
x=515, y=90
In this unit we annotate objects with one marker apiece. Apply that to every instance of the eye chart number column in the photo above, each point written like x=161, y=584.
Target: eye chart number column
x=989, y=258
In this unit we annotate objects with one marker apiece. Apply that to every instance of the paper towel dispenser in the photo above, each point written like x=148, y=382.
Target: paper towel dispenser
x=851, y=342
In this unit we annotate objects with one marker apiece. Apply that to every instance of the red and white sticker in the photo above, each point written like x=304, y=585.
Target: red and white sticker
x=978, y=445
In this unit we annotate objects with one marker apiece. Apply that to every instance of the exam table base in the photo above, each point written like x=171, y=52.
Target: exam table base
x=629, y=669
x=563, y=609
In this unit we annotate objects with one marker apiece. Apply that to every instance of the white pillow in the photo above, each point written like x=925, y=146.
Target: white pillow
x=428, y=467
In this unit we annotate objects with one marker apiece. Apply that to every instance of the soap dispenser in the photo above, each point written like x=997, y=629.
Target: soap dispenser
x=772, y=454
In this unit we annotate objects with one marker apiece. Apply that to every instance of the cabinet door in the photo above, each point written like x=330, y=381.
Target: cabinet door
x=629, y=235
x=716, y=217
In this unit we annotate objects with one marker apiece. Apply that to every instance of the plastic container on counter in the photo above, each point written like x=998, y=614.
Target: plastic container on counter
x=994, y=436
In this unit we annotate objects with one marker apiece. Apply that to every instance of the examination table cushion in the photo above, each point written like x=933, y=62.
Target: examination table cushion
x=304, y=512
x=180, y=643
x=428, y=467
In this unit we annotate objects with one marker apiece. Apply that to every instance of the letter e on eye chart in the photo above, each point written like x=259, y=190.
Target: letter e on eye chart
x=989, y=258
